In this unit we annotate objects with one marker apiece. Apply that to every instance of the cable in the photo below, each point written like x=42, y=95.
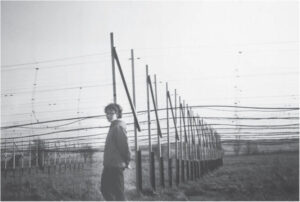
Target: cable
x=53, y=60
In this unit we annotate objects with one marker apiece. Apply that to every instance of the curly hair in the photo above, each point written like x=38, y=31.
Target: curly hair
x=114, y=107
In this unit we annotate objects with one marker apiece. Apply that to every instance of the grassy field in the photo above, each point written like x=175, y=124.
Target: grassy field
x=255, y=177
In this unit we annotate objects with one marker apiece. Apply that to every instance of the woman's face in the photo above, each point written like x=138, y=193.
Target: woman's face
x=111, y=115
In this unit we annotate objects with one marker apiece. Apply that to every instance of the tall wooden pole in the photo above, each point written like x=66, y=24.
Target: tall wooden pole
x=180, y=131
x=161, y=161
x=168, y=127
x=5, y=156
x=22, y=163
x=133, y=97
x=137, y=163
x=151, y=154
x=168, y=139
x=14, y=155
x=113, y=67
x=126, y=89
x=148, y=110
x=29, y=155
x=156, y=102
x=176, y=141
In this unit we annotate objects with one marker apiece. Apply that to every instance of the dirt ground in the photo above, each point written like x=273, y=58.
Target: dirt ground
x=256, y=177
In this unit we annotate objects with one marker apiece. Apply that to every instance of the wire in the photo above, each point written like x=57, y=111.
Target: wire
x=54, y=60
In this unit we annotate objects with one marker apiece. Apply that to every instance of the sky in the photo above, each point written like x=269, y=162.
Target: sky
x=56, y=62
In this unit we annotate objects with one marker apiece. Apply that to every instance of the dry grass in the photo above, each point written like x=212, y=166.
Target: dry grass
x=258, y=177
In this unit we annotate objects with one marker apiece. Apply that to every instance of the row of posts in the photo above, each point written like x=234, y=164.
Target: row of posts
x=40, y=160
x=197, y=147
x=193, y=158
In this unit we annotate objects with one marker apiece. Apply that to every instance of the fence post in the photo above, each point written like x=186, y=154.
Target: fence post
x=43, y=158
x=29, y=170
x=181, y=142
x=59, y=157
x=49, y=160
x=37, y=156
x=74, y=156
x=191, y=152
x=185, y=161
x=14, y=158
x=168, y=140
x=22, y=160
x=158, y=130
x=176, y=142
x=5, y=159
x=201, y=149
x=161, y=161
x=65, y=157
x=194, y=145
x=151, y=153
x=188, y=167
x=138, y=171
x=113, y=67
x=55, y=156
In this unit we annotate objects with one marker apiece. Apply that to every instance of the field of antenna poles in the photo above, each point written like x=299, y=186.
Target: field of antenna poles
x=178, y=152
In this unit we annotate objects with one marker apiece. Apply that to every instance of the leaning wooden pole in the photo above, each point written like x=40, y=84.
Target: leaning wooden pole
x=176, y=135
x=184, y=163
x=168, y=140
x=159, y=145
x=126, y=90
x=158, y=131
x=176, y=143
x=151, y=153
x=181, y=143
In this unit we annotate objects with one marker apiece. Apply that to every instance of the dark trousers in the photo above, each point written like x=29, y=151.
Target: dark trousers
x=112, y=184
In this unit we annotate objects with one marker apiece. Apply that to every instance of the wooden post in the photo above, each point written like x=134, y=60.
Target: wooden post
x=5, y=159
x=126, y=89
x=36, y=156
x=185, y=161
x=14, y=158
x=201, y=149
x=181, y=142
x=175, y=125
x=22, y=160
x=156, y=102
x=207, y=149
x=49, y=160
x=161, y=160
x=176, y=135
x=113, y=67
x=55, y=156
x=197, y=123
x=138, y=182
x=176, y=143
x=194, y=174
x=190, y=143
x=29, y=156
x=43, y=158
x=59, y=154
x=74, y=156
x=158, y=129
x=151, y=153
x=65, y=156
x=168, y=139
x=189, y=174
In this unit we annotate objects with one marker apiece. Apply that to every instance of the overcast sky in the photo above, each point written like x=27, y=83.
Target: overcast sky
x=212, y=52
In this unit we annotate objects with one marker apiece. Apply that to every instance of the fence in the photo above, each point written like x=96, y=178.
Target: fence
x=173, y=141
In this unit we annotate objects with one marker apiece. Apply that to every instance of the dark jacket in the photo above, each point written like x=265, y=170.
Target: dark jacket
x=116, y=151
